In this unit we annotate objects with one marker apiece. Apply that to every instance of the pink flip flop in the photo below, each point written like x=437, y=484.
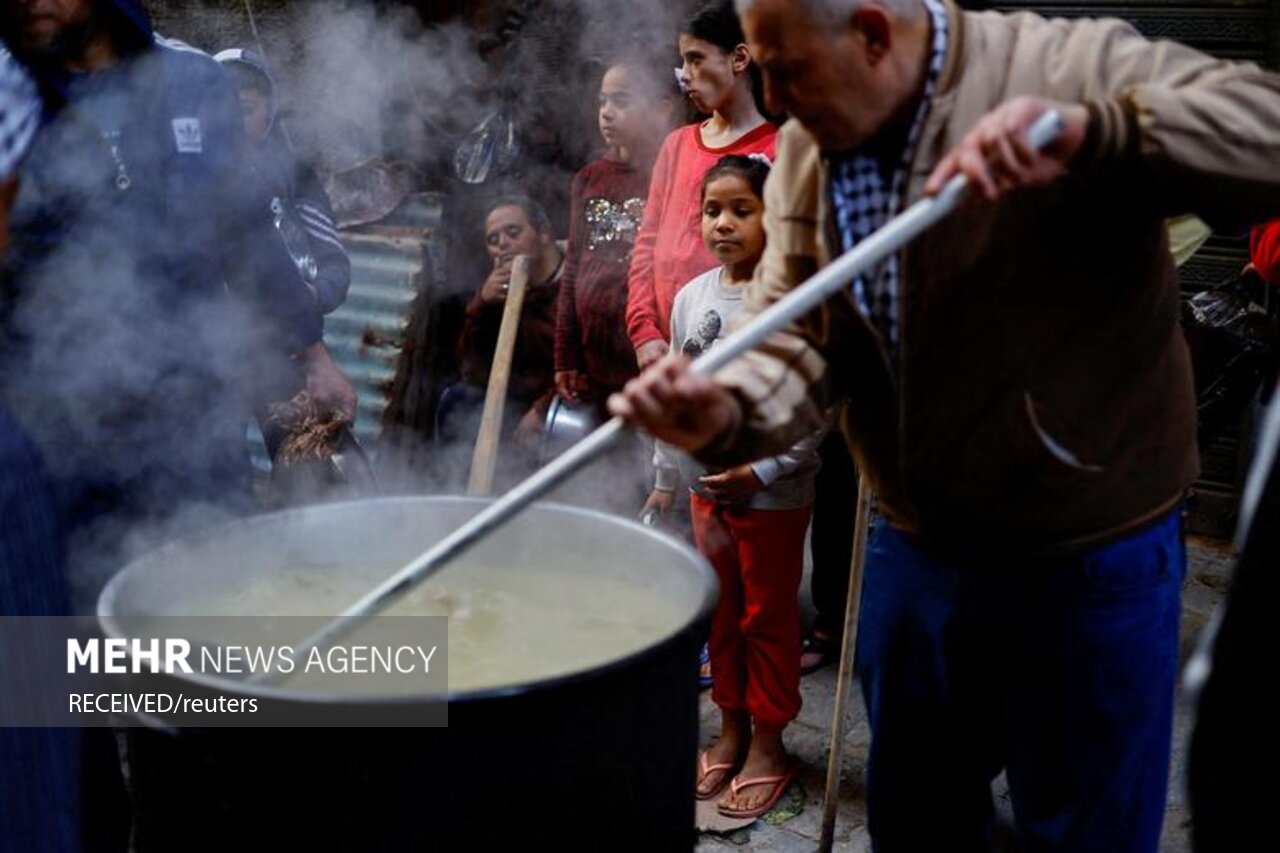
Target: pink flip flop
x=739, y=784
x=705, y=769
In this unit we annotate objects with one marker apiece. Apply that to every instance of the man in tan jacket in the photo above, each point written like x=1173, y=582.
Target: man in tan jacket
x=1019, y=391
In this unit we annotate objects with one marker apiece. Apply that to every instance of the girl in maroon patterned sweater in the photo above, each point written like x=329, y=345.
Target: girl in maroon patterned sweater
x=593, y=355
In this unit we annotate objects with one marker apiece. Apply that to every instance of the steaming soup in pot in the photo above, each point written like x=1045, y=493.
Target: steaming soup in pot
x=556, y=592
x=507, y=625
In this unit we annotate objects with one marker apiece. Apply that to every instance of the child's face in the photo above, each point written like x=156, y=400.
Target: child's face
x=626, y=113
x=255, y=110
x=707, y=73
x=732, y=220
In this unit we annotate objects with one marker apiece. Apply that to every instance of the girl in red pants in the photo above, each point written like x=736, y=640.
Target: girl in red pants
x=749, y=521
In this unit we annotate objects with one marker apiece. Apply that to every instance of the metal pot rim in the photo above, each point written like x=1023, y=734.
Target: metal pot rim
x=112, y=629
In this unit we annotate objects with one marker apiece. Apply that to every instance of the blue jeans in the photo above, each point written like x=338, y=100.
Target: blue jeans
x=39, y=768
x=1059, y=670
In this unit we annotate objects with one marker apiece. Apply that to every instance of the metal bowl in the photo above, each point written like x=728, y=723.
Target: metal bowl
x=567, y=423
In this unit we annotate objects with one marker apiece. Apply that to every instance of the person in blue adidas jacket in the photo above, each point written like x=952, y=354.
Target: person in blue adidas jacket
x=144, y=289
x=302, y=221
x=321, y=259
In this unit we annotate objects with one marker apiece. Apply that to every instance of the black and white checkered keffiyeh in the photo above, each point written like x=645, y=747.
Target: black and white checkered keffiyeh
x=19, y=112
x=863, y=200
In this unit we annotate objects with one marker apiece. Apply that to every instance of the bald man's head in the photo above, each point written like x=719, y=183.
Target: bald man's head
x=843, y=68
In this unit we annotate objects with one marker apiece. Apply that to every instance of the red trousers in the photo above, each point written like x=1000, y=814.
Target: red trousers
x=755, y=633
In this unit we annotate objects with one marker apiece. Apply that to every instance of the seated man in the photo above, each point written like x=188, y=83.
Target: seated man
x=514, y=225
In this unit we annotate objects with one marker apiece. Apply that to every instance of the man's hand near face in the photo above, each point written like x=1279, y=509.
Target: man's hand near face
x=495, y=287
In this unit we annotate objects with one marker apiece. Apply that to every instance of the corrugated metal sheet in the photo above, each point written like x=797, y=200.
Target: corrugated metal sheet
x=366, y=333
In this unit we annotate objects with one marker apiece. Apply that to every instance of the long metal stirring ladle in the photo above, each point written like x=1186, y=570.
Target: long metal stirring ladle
x=896, y=233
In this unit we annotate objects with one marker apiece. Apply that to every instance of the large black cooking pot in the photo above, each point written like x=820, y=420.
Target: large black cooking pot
x=592, y=760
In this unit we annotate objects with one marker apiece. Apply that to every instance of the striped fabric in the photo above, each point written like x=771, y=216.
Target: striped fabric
x=19, y=112
x=319, y=225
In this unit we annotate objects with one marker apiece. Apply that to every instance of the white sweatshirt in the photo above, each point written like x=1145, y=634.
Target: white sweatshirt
x=700, y=317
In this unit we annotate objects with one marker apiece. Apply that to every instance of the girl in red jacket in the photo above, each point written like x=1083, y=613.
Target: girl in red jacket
x=716, y=72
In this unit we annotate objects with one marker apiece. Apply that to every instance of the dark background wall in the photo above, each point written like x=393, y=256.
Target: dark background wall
x=1234, y=29
x=1239, y=29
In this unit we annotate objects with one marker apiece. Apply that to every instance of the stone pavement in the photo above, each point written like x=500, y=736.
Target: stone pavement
x=795, y=824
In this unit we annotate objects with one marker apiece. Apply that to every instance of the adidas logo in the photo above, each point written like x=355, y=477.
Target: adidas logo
x=187, y=135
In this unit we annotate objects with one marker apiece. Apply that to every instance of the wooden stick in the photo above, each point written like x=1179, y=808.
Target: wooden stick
x=831, y=798
x=484, y=460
